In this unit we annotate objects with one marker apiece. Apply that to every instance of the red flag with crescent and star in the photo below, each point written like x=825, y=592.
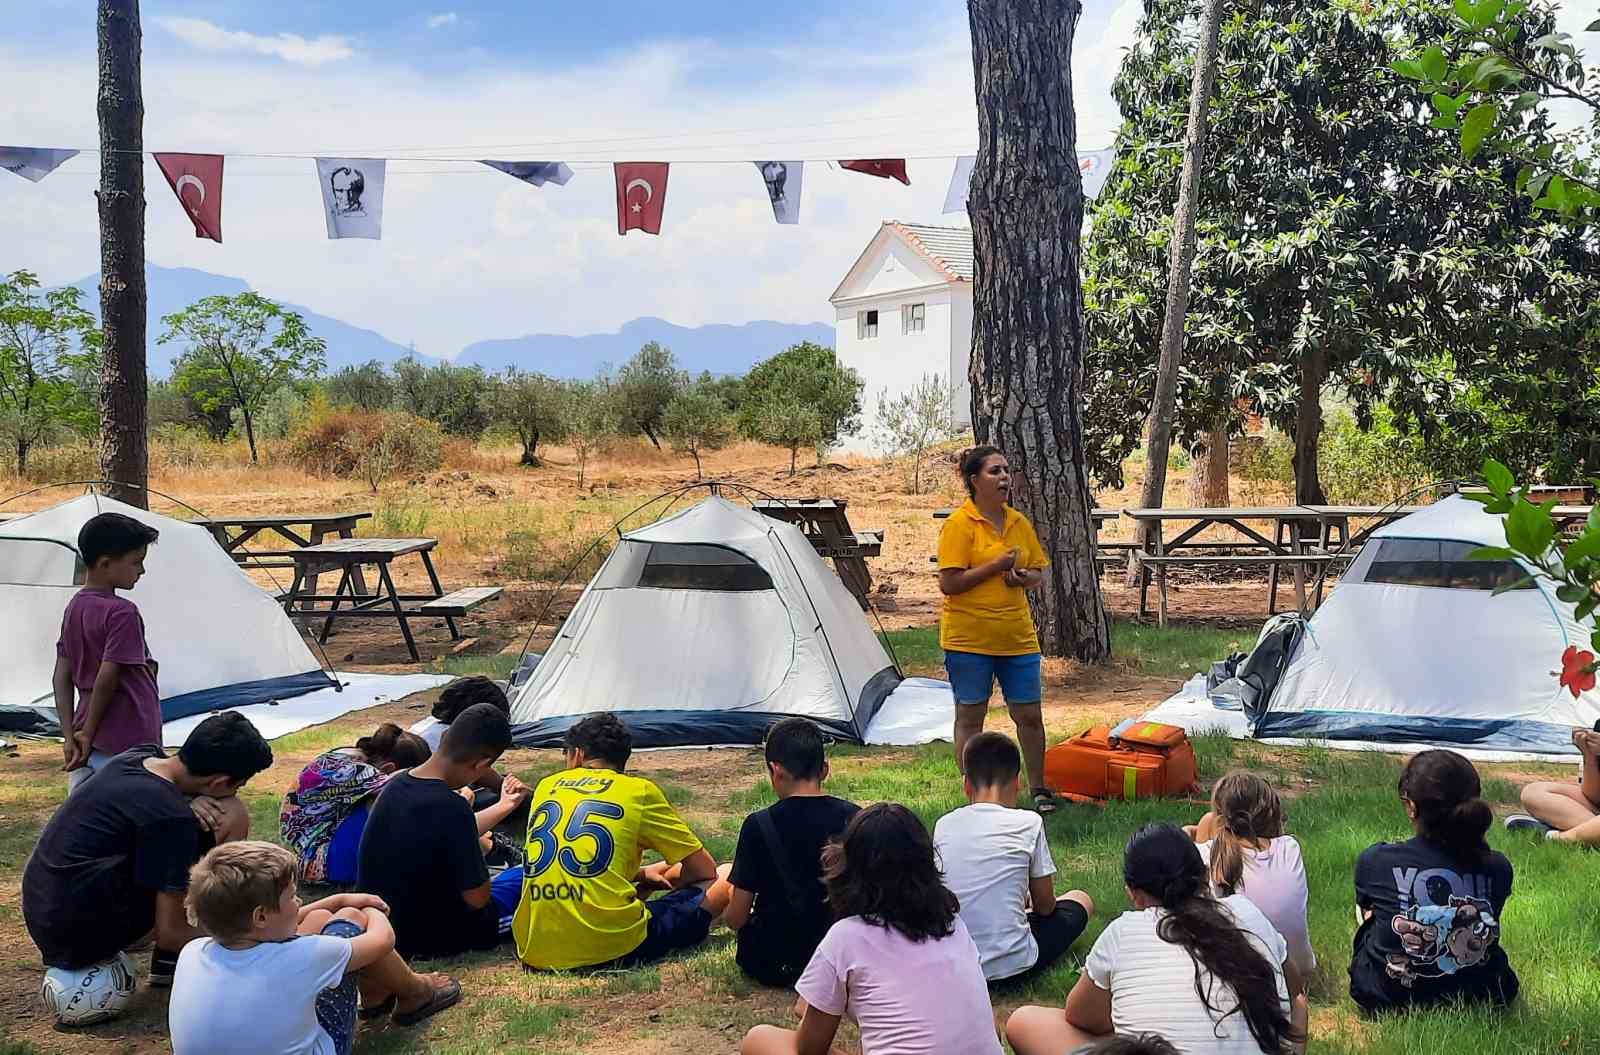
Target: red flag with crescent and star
x=883, y=168
x=641, y=195
x=197, y=181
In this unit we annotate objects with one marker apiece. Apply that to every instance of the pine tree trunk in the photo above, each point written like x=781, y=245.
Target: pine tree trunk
x=1179, y=264
x=1208, y=472
x=1308, y=428
x=1026, y=204
x=124, y=444
x=23, y=447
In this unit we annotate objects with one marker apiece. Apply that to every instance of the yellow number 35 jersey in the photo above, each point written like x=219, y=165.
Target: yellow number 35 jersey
x=587, y=831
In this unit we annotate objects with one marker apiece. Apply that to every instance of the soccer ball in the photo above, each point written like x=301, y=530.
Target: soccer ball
x=90, y=995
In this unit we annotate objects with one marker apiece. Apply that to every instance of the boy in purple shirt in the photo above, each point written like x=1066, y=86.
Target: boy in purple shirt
x=102, y=652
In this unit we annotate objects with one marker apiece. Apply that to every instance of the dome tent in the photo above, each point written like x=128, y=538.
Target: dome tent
x=220, y=639
x=705, y=628
x=1414, y=647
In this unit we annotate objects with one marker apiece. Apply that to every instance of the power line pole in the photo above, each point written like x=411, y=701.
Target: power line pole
x=1180, y=263
x=124, y=399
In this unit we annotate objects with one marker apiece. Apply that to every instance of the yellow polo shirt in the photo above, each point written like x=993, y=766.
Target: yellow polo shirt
x=586, y=834
x=991, y=619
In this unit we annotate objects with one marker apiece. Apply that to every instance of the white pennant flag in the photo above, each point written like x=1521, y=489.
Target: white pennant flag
x=955, y=199
x=782, y=179
x=352, y=196
x=33, y=163
x=537, y=173
x=1094, y=166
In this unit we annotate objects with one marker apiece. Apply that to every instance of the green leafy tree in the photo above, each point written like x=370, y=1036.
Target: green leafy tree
x=805, y=377
x=644, y=386
x=697, y=421
x=531, y=405
x=453, y=397
x=592, y=419
x=1497, y=63
x=49, y=345
x=367, y=386
x=910, y=424
x=784, y=421
x=240, y=350
x=1343, y=242
x=727, y=387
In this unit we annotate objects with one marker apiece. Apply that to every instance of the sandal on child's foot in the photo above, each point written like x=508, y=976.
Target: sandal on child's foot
x=1044, y=801
x=447, y=995
x=377, y=1011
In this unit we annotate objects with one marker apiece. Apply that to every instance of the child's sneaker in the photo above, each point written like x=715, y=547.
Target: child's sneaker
x=1521, y=822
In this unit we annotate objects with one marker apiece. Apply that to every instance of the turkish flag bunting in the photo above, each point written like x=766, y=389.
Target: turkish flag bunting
x=883, y=168
x=197, y=181
x=641, y=195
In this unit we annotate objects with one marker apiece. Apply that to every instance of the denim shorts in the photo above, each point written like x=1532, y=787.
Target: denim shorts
x=972, y=677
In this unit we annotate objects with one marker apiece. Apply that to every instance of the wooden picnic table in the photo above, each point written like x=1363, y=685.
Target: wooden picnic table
x=827, y=527
x=1099, y=515
x=232, y=533
x=351, y=599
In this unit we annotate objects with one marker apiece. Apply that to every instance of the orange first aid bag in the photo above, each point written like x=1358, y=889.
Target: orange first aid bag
x=1140, y=760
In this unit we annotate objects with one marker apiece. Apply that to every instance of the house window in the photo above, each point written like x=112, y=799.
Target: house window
x=1441, y=563
x=913, y=318
x=866, y=325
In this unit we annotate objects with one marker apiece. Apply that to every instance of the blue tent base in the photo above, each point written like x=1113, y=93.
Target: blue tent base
x=1489, y=734
x=244, y=694
x=680, y=728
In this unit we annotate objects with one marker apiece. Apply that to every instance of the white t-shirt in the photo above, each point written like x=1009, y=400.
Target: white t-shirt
x=906, y=997
x=988, y=853
x=256, y=1001
x=1274, y=879
x=430, y=729
x=1151, y=982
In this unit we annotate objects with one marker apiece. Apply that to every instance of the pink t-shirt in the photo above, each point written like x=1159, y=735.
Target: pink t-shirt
x=99, y=626
x=1274, y=880
x=906, y=997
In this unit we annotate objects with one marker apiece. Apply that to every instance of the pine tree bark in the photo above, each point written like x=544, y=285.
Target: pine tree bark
x=124, y=399
x=1308, y=428
x=1208, y=470
x=1026, y=204
x=1180, y=262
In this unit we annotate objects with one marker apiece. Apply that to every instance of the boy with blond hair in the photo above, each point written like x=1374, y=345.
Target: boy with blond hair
x=276, y=977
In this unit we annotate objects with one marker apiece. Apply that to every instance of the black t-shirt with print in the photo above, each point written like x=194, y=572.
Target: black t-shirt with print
x=789, y=919
x=1434, y=933
x=125, y=835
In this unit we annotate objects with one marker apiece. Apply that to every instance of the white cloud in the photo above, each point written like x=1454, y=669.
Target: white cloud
x=439, y=21
x=289, y=47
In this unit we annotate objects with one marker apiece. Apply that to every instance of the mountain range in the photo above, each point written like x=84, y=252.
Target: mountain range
x=719, y=348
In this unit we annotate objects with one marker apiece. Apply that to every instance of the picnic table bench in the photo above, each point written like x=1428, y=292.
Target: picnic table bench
x=352, y=600
x=827, y=528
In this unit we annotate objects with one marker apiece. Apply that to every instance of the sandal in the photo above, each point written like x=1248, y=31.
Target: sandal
x=1044, y=800
x=377, y=1011
x=444, y=996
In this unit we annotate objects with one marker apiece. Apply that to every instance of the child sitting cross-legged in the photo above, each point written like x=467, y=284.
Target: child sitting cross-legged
x=276, y=977
x=899, y=961
x=997, y=862
x=778, y=905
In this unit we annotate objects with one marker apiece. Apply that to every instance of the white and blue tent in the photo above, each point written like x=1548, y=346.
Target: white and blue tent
x=221, y=641
x=1414, y=648
x=705, y=628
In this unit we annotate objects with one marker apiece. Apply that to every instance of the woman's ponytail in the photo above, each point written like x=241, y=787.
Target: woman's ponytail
x=1247, y=809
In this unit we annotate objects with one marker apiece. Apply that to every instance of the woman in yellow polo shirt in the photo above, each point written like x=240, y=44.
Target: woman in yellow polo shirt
x=989, y=557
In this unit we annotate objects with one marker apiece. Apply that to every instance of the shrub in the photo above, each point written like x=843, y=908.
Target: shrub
x=545, y=556
x=183, y=447
x=63, y=463
x=366, y=445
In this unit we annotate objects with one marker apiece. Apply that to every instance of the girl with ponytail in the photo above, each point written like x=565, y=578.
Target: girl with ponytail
x=1246, y=852
x=1430, y=907
x=1205, y=974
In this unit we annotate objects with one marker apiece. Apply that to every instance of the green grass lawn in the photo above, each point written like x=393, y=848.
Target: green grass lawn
x=1177, y=650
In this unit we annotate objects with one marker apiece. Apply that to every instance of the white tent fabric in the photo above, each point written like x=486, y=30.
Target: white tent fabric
x=220, y=640
x=705, y=628
x=1413, y=647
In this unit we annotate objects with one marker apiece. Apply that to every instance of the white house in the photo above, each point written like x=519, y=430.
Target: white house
x=904, y=311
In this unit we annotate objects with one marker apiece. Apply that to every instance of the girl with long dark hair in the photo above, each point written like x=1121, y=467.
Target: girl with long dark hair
x=899, y=961
x=1205, y=974
x=989, y=558
x=1430, y=907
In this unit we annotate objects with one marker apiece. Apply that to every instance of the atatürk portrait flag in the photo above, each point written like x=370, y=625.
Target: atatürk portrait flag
x=641, y=195
x=197, y=181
